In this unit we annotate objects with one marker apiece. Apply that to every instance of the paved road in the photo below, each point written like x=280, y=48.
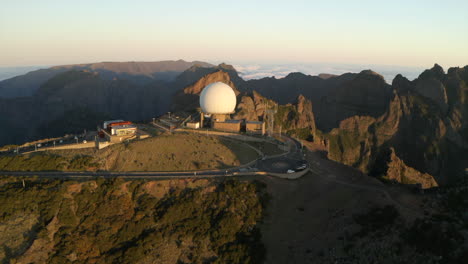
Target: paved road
x=132, y=175
x=48, y=144
x=293, y=160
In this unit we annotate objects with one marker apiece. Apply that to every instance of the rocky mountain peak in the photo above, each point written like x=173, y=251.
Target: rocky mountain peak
x=431, y=85
x=436, y=72
x=295, y=75
x=227, y=67
x=366, y=73
x=401, y=84
x=437, y=69
x=326, y=75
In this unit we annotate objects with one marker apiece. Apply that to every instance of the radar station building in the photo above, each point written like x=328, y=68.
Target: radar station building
x=117, y=130
x=217, y=102
x=255, y=127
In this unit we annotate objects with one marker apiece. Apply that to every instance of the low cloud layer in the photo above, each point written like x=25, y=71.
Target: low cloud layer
x=258, y=71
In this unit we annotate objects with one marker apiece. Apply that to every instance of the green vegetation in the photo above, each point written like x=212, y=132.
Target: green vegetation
x=175, y=152
x=43, y=161
x=345, y=146
x=116, y=221
x=438, y=236
x=377, y=218
x=267, y=148
x=431, y=237
x=285, y=115
x=81, y=163
x=167, y=152
x=301, y=133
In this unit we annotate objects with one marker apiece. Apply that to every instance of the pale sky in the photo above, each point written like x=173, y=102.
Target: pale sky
x=407, y=33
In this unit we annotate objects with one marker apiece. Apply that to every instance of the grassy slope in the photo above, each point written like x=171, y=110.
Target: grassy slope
x=181, y=151
x=267, y=148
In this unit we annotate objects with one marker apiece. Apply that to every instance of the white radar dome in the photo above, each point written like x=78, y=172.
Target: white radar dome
x=217, y=98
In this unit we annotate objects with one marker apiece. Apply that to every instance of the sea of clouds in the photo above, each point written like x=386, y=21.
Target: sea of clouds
x=258, y=71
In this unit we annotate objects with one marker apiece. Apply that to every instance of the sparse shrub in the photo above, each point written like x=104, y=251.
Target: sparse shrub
x=102, y=222
x=377, y=218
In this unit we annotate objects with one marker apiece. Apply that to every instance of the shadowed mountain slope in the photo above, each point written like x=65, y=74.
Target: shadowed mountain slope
x=136, y=72
x=425, y=128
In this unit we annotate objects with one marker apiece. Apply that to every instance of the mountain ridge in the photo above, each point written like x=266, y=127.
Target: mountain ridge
x=140, y=73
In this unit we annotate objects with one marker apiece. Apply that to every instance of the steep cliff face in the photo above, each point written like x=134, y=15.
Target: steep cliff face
x=286, y=90
x=305, y=115
x=365, y=94
x=335, y=98
x=424, y=135
x=296, y=119
x=429, y=84
x=82, y=97
x=400, y=172
x=351, y=143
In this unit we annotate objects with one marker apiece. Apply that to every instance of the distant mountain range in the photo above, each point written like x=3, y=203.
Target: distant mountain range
x=409, y=131
x=134, y=72
x=10, y=72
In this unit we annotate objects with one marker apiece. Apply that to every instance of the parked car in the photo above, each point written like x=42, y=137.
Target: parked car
x=291, y=171
x=301, y=167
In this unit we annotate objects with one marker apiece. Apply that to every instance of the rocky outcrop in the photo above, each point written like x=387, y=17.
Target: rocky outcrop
x=428, y=138
x=196, y=72
x=335, y=98
x=351, y=143
x=296, y=119
x=187, y=99
x=429, y=84
x=400, y=172
x=286, y=90
x=306, y=117
x=252, y=107
x=218, y=76
x=367, y=94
